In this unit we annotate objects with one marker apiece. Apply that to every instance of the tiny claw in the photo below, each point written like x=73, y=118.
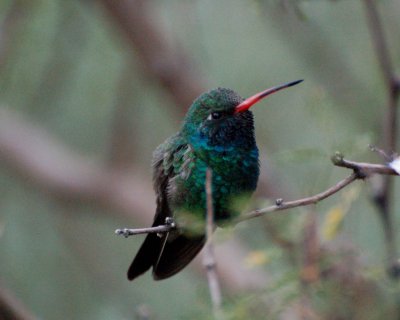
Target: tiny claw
x=170, y=221
x=126, y=233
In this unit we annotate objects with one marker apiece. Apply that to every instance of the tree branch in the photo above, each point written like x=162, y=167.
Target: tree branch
x=361, y=170
x=126, y=232
x=284, y=205
x=364, y=169
x=209, y=257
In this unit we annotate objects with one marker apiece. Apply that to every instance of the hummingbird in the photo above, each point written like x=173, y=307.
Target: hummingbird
x=217, y=133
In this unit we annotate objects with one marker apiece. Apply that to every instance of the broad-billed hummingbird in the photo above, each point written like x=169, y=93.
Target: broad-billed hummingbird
x=217, y=133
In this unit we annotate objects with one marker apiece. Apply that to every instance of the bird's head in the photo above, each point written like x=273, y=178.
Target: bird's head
x=221, y=119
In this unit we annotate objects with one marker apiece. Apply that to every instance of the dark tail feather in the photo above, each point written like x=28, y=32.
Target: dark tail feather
x=176, y=255
x=146, y=257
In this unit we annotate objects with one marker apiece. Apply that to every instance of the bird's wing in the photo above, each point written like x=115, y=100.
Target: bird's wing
x=165, y=159
x=150, y=251
x=170, y=252
x=172, y=160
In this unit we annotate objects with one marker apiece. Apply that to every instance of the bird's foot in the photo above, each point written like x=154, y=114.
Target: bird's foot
x=170, y=221
x=278, y=202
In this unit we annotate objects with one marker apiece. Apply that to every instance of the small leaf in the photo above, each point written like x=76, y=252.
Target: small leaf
x=333, y=222
x=334, y=218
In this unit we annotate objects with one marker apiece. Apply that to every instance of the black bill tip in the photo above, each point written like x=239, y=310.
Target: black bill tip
x=293, y=83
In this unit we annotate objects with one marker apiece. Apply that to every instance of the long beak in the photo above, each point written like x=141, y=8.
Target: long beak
x=246, y=104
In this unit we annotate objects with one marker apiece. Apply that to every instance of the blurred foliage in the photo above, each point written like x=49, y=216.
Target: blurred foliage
x=63, y=66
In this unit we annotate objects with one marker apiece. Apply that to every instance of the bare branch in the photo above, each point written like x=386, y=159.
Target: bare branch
x=126, y=232
x=209, y=257
x=363, y=168
x=361, y=171
x=280, y=204
x=284, y=205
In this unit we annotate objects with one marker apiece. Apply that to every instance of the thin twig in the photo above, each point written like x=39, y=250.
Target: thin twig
x=284, y=205
x=363, y=168
x=361, y=171
x=280, y=205
x=126, y=232
x=208, y=257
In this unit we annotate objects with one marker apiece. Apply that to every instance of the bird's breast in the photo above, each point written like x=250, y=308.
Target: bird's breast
x=235, y=175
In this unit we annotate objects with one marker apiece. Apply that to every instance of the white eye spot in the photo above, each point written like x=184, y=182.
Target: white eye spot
x=214, y=116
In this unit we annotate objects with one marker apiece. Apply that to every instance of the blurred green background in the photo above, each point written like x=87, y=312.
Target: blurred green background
x=78, y=97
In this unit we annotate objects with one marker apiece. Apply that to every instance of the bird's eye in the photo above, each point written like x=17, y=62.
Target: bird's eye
x=214, y=116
